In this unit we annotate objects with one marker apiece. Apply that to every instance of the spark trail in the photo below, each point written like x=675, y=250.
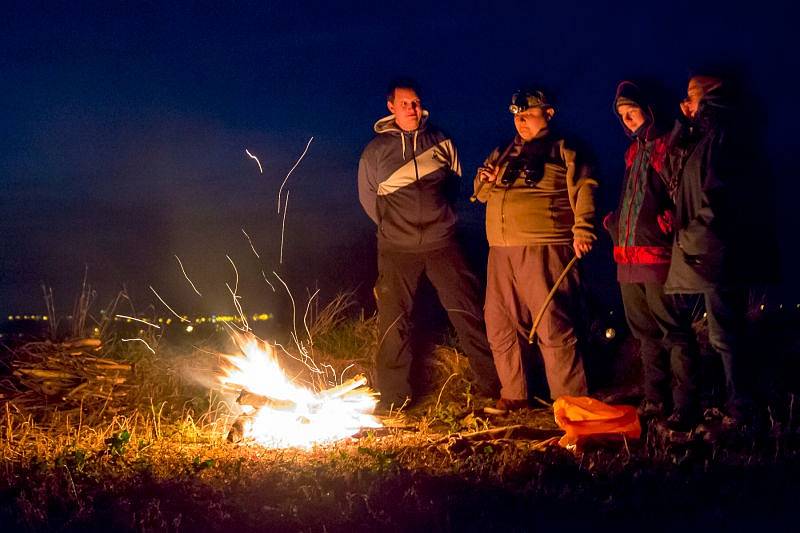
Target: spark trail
x=139, y=320
x=140, y=340
x=167, y=305
x=187, y=277
x=251, y=244
x=283, y=225
x=290, y=172
x=254, y=157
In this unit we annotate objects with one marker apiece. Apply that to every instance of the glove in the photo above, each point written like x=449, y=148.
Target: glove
x=666, y=222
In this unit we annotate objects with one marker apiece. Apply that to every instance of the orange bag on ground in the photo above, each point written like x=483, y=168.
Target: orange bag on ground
x=581, y=416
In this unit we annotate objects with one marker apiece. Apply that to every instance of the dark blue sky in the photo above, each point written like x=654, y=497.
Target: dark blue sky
x=123, y=129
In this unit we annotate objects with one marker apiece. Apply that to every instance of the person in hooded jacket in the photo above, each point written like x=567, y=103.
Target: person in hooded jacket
x=540, y=213
x=404, y=177
x=641, y=228
x=707, y=258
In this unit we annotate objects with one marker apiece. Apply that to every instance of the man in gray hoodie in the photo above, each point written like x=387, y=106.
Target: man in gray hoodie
x=404, y=176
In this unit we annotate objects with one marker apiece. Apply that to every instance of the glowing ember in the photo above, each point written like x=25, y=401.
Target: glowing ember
x=283, y=414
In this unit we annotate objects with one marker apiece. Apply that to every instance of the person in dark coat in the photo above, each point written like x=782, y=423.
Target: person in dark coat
x=404, y=175
x=703, y=161
x=642, y=231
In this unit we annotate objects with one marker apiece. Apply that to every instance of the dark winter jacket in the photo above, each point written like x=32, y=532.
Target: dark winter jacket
x=404, y=184
x=704, y=158
x=641, y=225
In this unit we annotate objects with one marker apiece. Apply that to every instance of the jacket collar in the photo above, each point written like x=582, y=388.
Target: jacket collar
x=388, y=124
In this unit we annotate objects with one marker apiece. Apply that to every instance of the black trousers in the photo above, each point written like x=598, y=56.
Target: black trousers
x=399, y=275
x=726, y=310
x=662, y=323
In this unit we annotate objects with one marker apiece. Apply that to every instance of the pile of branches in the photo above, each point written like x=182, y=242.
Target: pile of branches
x=48, y=376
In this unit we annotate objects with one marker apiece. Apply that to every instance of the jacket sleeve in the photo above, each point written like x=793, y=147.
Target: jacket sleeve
x=368, y=184
x=701, y=235
x=452, y=153
x=580, y=187
x=611, y=225
x=483, y=194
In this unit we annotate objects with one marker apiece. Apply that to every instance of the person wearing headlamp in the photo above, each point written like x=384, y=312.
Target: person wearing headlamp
x=540, y=212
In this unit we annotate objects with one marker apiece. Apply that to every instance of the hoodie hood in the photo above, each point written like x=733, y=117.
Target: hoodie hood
x=714, y=107
x=630, y=93
x=388, y=125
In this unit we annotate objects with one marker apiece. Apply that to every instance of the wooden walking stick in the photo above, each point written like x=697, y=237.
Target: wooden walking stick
x=549, y=298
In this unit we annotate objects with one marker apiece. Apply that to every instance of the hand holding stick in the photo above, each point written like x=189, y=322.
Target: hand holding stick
x=487, y=174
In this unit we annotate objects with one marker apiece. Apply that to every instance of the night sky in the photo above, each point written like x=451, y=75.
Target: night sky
x=123, y=129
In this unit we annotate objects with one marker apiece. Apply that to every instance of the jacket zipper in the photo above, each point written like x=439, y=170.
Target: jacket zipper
x=636, y=168
x=419, y=191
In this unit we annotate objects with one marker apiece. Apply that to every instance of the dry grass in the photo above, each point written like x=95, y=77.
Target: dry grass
x=163, y=463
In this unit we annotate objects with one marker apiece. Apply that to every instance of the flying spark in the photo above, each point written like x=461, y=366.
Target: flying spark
x=290, y=173
x=254, y=157
x=283, y=225
x=142, y=341
x=167, y=306
x=251, y=243
x=271, y=286
x=138, y=320
x=187, y=277
x=236, y=297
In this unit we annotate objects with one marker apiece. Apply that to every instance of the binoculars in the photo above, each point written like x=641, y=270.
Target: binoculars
x=522, y=167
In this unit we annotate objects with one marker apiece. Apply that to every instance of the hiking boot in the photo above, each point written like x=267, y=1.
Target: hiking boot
x=649, y=409
x=681, y=422
x=734, y=423
x=505, y=406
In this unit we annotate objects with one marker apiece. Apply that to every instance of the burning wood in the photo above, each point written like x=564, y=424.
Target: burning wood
x=340, y=390
x=258, y=401
x=287, y=414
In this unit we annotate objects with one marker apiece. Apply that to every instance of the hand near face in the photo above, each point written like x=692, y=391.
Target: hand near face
x=581, y=247
x=686, y=109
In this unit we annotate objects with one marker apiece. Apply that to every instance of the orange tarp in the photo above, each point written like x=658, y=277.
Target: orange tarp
x=581, y=416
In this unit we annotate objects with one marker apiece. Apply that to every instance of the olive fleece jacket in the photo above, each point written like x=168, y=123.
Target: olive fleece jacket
x=558, y=208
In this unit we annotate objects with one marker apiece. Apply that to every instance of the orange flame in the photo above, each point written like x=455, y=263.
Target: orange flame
x=293, y=415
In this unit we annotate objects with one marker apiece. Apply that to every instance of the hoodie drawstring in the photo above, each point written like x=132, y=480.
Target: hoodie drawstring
x=414, y=146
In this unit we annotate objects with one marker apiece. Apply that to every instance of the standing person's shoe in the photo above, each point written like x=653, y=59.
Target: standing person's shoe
x=681, y=422
x=505, y=406
x=649, y=409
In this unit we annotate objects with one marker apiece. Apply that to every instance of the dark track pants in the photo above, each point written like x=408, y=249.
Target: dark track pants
x=662, y=323
x=399, y=274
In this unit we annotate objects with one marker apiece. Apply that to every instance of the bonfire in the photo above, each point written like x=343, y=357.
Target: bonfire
x=281, y=413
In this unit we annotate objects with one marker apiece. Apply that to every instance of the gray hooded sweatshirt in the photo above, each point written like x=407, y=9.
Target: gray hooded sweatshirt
x=403, y=184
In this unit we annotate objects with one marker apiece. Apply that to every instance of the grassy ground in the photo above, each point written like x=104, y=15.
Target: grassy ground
x=162, y=463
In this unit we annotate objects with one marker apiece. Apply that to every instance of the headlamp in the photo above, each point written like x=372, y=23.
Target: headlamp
x=524, y=100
